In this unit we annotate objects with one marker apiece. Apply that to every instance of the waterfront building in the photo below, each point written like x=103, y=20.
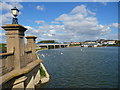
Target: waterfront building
x=109, y=42
x=75, y=43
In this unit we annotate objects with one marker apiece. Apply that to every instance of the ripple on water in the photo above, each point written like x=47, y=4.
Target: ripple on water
x=89, y=68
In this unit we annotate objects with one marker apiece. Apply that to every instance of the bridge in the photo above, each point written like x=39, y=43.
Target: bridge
x=20, y=66
x=51, y=45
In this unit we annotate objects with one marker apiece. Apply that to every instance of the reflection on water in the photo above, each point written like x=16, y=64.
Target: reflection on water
x=78, y=67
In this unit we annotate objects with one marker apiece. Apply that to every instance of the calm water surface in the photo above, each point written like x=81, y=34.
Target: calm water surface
x=78, y=67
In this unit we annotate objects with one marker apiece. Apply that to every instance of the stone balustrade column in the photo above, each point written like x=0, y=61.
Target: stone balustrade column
x=15, y=40
x=31, y=44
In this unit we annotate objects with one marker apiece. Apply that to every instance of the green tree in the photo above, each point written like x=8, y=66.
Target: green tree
x=3, y=47
x=47, y=41
x=118, y=43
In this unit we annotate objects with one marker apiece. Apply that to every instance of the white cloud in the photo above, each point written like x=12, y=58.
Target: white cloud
x=55, y=22
x=52, y=31
x=9, y=6
x=2, y=35
x=41, y=8
x=78, y=25
x=5, y=6
x=81, y=24
x=82, y=9
x=36, y=32
x=32, y=31
x=7, y=17
x=112, y=36
x=116, y=25
x=45, y=32
x=40, y=21
x=92, y=13
x=41, y=27
x=56, y=27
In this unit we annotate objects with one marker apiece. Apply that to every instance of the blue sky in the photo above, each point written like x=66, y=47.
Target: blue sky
x=106, y=14
x=66, y=21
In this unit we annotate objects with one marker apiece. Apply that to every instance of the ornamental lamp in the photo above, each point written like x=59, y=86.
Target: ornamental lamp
x=15, y=13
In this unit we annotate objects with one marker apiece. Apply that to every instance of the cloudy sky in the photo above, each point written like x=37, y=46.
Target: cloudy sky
x=64, y=21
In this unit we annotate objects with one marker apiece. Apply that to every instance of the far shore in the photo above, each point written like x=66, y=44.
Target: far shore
x=41, y=49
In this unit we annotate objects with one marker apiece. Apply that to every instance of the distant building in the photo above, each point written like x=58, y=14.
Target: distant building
x=75, y=43
x=109, y=42
x=90, y=44
x=100, y=41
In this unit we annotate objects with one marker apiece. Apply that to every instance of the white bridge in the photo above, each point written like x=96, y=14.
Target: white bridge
x=51, y=45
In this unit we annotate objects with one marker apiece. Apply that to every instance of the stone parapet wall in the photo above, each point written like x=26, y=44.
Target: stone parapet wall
x=28, y=77
x=7, y=63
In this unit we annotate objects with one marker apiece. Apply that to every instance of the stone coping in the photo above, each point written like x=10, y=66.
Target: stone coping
x=13, y=27
x=6, y=54
x=19, y=72
x=28, y=51
x=30, y=37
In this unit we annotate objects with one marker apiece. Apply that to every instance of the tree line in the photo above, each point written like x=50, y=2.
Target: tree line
x=47, y=41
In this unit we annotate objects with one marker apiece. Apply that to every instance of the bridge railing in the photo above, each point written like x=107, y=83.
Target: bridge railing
x=7, y=62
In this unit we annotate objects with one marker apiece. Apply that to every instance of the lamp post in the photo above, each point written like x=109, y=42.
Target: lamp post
x=15, y=13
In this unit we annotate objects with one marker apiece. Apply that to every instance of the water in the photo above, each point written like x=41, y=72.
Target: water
x=78, y=67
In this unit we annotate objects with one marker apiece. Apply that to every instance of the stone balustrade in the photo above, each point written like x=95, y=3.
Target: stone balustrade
x=7, y=62
x=19, y=54
x=19, y=66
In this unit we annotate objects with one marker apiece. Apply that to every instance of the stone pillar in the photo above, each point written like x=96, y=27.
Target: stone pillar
x=47, y=47
x=54, y=46
x=68, y=45
x=59, y=46
x=31, y=44
x=15, y=40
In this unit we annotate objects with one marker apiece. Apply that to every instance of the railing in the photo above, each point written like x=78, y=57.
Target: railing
x=7, y=62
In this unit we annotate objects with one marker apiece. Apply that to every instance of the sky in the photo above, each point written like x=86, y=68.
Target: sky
x=64, y=21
